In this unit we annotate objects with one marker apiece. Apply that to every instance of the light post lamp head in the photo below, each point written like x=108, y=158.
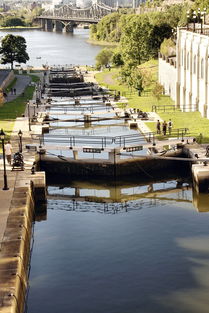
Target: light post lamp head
x=2, y=134
x=194, y=16
x=20, y=138
x=20, y=133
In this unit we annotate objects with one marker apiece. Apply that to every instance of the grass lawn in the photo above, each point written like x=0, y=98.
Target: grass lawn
x=10, y=110
x=191, y=120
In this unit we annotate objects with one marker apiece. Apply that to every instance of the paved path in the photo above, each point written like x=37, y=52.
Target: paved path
x=21, y=123
x=21, y=83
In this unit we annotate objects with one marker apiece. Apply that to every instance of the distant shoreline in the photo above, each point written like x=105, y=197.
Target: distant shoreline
x=20, y=28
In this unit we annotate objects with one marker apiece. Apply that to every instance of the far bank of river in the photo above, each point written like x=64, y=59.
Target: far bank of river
x=51, y=48
x=13, y=28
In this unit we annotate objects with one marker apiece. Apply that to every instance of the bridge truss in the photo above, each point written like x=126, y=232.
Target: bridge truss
x=95, y=11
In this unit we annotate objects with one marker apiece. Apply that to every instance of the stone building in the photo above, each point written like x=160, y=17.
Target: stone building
x=187, y=79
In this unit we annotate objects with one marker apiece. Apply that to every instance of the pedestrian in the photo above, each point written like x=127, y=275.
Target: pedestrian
x=170, y=125
x=14, y=91
x=164, y=128
x=8, y=152
x=158, y=127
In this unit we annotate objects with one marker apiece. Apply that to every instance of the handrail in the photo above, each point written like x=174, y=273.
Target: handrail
x=103, y=141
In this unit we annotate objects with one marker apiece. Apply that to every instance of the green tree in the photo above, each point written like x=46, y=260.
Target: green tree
x=93, y=31
x=13, y=21
x=159, y=32
x=168, y=47
x=13, y=49
x=103, y=58
x=137, y=80
x=117, y=58
x=108, y=29
x=157, y=91
x=125, y=74
x=135, y=38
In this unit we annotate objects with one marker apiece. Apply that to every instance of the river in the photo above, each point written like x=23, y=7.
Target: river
x=130, y=247
x=51, y=48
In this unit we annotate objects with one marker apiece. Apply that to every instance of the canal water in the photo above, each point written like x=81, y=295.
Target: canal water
x=130, y=246
x=116, y=247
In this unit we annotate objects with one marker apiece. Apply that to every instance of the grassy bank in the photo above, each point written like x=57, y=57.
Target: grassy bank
x=102, y=43
x=15, y=108
x=19, y=27
x=197, y=125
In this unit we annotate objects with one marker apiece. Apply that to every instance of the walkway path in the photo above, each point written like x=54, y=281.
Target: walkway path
x=21, y=123
x=20, y=85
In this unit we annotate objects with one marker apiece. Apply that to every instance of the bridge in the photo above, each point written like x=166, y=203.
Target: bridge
x=65, y=18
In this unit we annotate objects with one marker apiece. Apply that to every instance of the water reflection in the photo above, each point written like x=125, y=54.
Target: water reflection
x=152, y=256
x=117, y=197
x=201, y=201
x=195, y=298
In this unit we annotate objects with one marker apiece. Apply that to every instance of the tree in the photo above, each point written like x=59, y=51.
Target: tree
x=135, y=38
x=13, y=49
x=168, y=47
x=103, y=58
x=117, y=58
x=137, y=80
x=159, y=32
x=13, y=21
x=157, y=91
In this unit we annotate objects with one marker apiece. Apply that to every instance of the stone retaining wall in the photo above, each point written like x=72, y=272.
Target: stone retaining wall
x=8, y=79
x=16, y=243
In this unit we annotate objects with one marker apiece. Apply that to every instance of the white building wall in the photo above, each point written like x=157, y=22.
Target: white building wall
x=167, y=78
x=192, y=71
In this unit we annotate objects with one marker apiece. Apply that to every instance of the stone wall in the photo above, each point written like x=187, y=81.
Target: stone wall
x=6, y=79
x=167, y=76
x=192, y=69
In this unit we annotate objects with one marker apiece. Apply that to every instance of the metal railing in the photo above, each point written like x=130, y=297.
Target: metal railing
x=117, y=141
x=165, y=108
x=173, y=108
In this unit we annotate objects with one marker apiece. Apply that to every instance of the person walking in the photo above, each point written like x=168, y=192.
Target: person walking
x=170, y=125
x=8, y=152
x=158, y=127
x=14, y=91
x=164, y=127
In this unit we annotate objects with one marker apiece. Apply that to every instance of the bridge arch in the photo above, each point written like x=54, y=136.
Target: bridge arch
x=70, y=16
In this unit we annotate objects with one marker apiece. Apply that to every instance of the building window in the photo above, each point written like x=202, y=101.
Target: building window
x=194, y=64
x=187, y=60
x=202, y=69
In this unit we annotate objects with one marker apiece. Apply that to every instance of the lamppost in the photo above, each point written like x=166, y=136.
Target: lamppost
x=20, y=138
x=2, y=136
x=202, y=19
x=29, y=116
x=194, y=16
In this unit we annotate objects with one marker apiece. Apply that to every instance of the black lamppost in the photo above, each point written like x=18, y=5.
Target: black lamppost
x=29, y=116
x=2, y=136
x=20, y=138
x=202, y=19
x=194, y=16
